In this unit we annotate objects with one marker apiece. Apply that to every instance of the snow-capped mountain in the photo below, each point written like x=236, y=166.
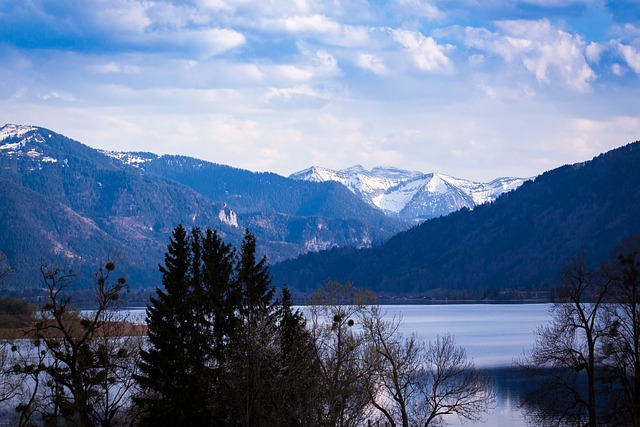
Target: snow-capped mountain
x=411, y=195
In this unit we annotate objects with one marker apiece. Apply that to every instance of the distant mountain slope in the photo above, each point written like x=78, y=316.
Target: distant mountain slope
x=63, y=198
x=306, y=216
x=410, y=195
x=523, y=239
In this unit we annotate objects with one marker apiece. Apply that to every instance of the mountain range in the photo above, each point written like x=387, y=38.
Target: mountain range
x=79, y=206
x=64, y=200
x=522, y=240
x=410, y=195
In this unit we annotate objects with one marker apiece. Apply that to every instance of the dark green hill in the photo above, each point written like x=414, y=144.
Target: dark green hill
x=522, y=240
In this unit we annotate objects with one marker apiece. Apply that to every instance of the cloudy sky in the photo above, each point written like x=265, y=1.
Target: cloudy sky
x=472, y=88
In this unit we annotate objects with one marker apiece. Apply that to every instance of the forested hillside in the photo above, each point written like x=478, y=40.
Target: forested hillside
x=522, y=240
x=66, y=201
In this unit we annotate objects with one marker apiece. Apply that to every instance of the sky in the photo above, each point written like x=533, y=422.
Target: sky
x=476, y=89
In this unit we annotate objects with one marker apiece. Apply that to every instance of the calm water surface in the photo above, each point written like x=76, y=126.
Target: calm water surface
x=493, y=335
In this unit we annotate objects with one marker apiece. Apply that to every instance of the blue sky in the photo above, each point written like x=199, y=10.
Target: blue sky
x=473, y=88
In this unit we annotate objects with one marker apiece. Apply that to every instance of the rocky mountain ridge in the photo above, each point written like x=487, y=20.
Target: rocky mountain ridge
x=412, y=195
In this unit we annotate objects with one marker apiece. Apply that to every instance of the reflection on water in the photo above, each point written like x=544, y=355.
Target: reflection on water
x=493, y=335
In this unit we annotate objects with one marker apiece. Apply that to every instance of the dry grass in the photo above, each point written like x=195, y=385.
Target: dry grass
x=115, y=329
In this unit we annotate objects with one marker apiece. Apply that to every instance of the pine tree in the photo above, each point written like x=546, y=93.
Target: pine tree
x=254, y=279
x=292, y=322
x=221, y=295
x=171, y=379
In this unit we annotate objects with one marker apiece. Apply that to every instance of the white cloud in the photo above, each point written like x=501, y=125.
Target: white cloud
x=321, y=27
x=372, y=62
x=631, y=55
x=421, y=8
x=120, y=18
x=594, y=51
x=425, y=52
x=325, y=63
x=215, y=5
x=292, y=73
x=617, y=70
x=309, y=24
x=114, y=67
x=291, y=92
x=297, y=97
x=209, y=42
x=545, y=51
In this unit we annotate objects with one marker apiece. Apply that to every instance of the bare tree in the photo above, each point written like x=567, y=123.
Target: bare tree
x=334, y=311
x=79, y=364
x=395, y=364
x=621, y=345
x=9, y=383
x=450, y=384
x=567, y=349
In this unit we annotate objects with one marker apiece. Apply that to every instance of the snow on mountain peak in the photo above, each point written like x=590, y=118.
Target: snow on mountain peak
x=12, y=131
x=411, y=195
x=130, y=158
x=17, y=131
x=19, y=148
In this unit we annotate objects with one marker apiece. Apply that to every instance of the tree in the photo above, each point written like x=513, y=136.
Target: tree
x=9, y=383
x=254, y=280
x=220, y=294
x=450, y=384
x=212, y=335
x=252, y=381
x=172, y=371
x=412, y=384
x=298, y=378
x=395, y=364
x=568, y=348
x=80, y=358
x=621, y=345
x=292, y=323
x=256, y=347
x=334, y=310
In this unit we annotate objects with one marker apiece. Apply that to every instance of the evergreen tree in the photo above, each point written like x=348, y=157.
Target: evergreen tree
x=219, y=306
x=254, y=279
x=298, y=379
x=292, y=323
x=221, y=294
x=171, y=372
x=253, y=369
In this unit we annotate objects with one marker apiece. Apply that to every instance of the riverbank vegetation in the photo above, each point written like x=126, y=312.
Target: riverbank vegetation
x=588, y=358
x=221, y=347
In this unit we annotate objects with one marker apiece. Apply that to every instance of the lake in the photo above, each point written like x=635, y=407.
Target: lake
x=493, y=335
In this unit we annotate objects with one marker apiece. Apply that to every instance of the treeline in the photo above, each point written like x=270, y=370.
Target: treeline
x=588, y=357
x=221, y=348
